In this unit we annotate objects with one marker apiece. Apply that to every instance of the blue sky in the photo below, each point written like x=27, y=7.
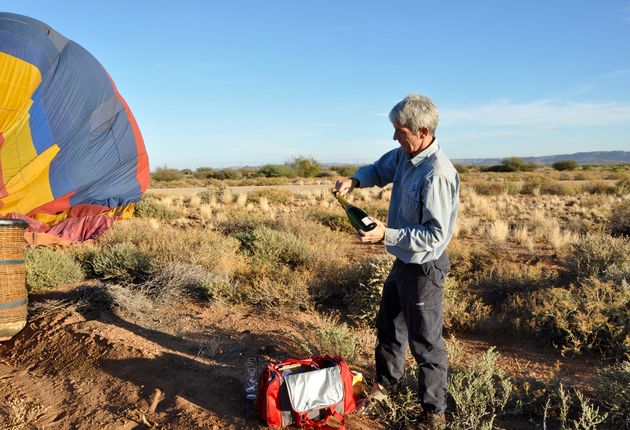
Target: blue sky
x=230, y=83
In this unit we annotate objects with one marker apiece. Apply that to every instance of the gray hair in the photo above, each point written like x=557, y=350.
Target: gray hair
x=416, y=112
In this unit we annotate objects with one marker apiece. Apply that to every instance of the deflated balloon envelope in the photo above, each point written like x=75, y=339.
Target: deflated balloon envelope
x=72, y=158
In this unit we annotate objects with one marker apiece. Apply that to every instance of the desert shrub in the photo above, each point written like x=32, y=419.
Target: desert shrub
x=589, y=316
x=326, y=174
x=212, y=193
x=601, y=255
x=559, y=189
x=480, y=391
x=363, y=299
x=463, y=310
x=227, y=173
x=305, y=167
x=402, y=406
x=119, y=262
x=462, y=168
x=534, y=184
x=619, y=220
x=165, y=245
x=266, y=246
x=600, y=187
x=179, y=282
x=376, y=210
x=336, y=221
x=565, y=165
x=503, y=278
x=337, y=338
x=166, y=174
x=486, y=188
x=346, y=170
x=48, y=269
x=259, y=286
x=571, y=414
x=623, y=186
x=613, y=392
x=273, y=196
x=277, y=171
x=152, y=208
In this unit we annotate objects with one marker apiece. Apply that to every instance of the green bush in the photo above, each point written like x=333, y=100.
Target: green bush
x=345, y=170
x=600, y=255
x=273, y=196
x=480, y=391
x=619, y=221
x=166, y=174
x=600, y=187
x=463, y=310
x=152, y=208
x=565, y=165
x=277, y=288
x=613, y=392
x=363, y=298
x=589, y=316
x=336, y=221
x=49, y=269
x=164, y=244
x=277, y=171
x=306, y=167
x=267, y=246
x=119, y=262
x=335, y=339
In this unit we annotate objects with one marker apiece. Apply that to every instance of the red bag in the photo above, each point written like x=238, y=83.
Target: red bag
x=313, y=393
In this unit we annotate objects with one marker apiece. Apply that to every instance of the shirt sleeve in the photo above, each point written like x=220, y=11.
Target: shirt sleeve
x=380, y=173
x=437, y=207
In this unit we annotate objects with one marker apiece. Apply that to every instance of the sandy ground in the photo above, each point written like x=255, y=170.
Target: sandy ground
x=77, y=367
x=85, y=368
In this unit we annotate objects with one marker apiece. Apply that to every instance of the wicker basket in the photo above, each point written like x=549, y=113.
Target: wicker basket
x=13, y=294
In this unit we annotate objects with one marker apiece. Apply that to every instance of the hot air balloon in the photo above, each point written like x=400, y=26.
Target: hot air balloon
x=72, y=159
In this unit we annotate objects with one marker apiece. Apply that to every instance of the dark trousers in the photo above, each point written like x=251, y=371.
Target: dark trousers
x=411, y=314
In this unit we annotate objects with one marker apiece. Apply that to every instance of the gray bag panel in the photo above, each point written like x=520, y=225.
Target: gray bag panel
x=315, y=390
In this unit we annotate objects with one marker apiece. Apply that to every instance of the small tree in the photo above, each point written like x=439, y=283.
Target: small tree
x=306, y=167
x=166, y=174
x=276, y=171
x=513, y=164
x=565, y=165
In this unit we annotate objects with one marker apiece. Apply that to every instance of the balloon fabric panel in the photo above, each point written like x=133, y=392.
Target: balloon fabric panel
x=67, y=137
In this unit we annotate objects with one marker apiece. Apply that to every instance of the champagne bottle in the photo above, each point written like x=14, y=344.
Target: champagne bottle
x=358, y=218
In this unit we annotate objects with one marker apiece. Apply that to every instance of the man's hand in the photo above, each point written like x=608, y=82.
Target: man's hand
x=345, y=186
x=373, y=236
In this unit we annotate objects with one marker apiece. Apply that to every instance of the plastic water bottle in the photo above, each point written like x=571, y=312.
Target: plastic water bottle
x=251, y=378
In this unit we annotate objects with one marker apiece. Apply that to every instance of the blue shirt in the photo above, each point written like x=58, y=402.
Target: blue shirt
x=424, y=203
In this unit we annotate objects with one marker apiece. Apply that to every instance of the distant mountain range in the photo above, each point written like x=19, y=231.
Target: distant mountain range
x=594, y=157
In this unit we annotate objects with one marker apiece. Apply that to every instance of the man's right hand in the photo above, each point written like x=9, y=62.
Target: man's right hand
x=345, y=186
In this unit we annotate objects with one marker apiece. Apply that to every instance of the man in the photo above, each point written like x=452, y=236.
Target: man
x=422, y=214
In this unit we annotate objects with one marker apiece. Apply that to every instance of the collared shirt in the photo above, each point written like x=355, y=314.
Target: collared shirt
x=424, y=202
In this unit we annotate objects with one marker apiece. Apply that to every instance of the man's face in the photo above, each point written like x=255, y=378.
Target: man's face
x=410, y=142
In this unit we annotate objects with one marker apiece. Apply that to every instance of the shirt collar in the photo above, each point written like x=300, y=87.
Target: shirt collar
x=425, y=153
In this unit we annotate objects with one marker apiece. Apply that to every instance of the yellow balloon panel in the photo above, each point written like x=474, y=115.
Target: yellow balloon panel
x=18, y=149
x=31, y=187
x=18, y=82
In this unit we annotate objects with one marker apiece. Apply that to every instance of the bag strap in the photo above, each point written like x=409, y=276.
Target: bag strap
x=333, y=420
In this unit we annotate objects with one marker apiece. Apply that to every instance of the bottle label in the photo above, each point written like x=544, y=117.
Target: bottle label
x=366, y=221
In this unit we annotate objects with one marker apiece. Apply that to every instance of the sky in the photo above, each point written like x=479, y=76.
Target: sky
x=245, y=83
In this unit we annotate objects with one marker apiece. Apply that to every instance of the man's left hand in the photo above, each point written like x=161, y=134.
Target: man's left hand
x=373, y=236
